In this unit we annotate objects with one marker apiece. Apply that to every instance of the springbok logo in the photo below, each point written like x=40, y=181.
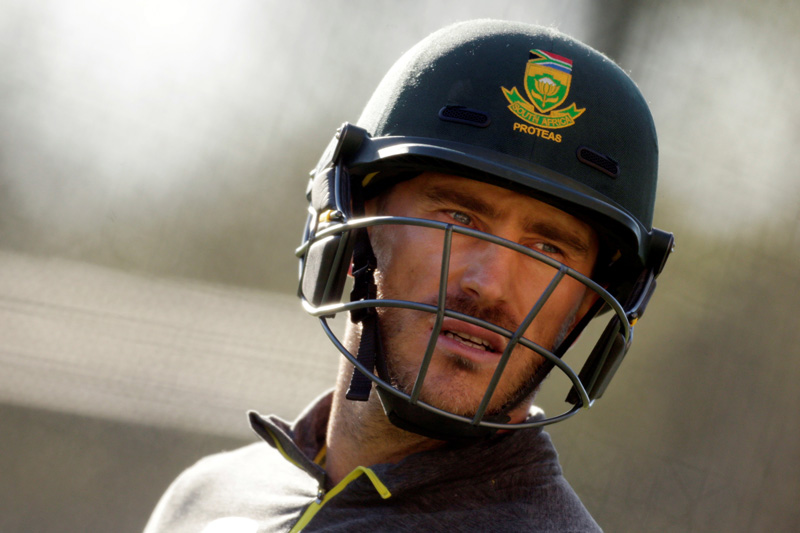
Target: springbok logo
x=547, y=80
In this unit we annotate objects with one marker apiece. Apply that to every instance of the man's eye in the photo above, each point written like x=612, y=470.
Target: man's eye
x=548, y=248
x=461, y=218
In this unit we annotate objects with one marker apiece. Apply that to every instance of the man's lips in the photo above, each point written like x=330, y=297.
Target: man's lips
x=472, y=340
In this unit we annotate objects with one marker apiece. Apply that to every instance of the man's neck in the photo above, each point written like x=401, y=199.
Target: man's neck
x=360, y=434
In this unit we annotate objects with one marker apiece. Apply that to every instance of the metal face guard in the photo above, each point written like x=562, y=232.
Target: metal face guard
x=585, y=387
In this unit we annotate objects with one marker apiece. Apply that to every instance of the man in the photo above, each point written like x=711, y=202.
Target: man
x=496, y=195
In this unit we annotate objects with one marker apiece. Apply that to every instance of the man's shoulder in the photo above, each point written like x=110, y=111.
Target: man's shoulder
x=228, y=483
x=211, y=467
x=541, y=493
x=256, y=451
x=241, y=468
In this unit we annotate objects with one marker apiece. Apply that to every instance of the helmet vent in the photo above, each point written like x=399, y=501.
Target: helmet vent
x=598, y=161
x=464, y=115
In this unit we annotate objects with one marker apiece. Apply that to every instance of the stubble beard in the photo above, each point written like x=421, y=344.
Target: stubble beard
x=454, y=393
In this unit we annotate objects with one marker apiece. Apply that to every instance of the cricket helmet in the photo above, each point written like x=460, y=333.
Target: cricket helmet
x=514, y=105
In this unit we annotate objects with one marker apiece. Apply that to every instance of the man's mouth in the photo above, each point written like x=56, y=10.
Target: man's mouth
x=470, y=340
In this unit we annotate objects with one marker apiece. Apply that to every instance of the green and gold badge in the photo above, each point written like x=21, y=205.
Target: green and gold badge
x=547, y=80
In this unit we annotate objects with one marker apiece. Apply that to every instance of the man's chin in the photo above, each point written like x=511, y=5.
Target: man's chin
x=458, y=398
x=463, y=364
x=457, y=384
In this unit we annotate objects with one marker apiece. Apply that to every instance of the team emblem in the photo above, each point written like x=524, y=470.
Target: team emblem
x=547, y=80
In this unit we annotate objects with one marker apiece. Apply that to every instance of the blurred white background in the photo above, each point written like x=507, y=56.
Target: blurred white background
x=153, y=161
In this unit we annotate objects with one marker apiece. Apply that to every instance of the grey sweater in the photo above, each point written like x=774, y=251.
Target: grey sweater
x=509, y=482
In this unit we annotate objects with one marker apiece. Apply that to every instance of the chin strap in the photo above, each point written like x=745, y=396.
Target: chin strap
x=364, y=264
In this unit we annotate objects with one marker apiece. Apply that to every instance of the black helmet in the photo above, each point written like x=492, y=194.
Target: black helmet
x=514, y=105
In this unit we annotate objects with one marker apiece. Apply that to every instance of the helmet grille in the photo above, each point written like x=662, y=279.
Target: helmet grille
x=603, y=163
x=464, y=115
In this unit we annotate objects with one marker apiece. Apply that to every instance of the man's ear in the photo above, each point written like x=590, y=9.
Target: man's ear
x=371, y=207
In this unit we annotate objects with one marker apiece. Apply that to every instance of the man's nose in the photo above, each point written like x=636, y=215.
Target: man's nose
x=489, y=273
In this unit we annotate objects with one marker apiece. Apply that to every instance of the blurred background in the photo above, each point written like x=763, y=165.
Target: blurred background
x=153, y=160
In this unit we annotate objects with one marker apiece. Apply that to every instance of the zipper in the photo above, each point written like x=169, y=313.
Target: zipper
x=323, y=497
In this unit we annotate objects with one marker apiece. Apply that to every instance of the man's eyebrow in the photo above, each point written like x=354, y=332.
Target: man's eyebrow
x=450, y=195
x=549, y=230
x=558, y=233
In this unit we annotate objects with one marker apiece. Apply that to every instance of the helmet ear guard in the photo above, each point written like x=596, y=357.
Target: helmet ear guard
x=610, y=350
x=324, y=263
x=323, y=271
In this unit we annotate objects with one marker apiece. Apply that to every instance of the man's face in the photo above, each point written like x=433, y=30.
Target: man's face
x=487, y=281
